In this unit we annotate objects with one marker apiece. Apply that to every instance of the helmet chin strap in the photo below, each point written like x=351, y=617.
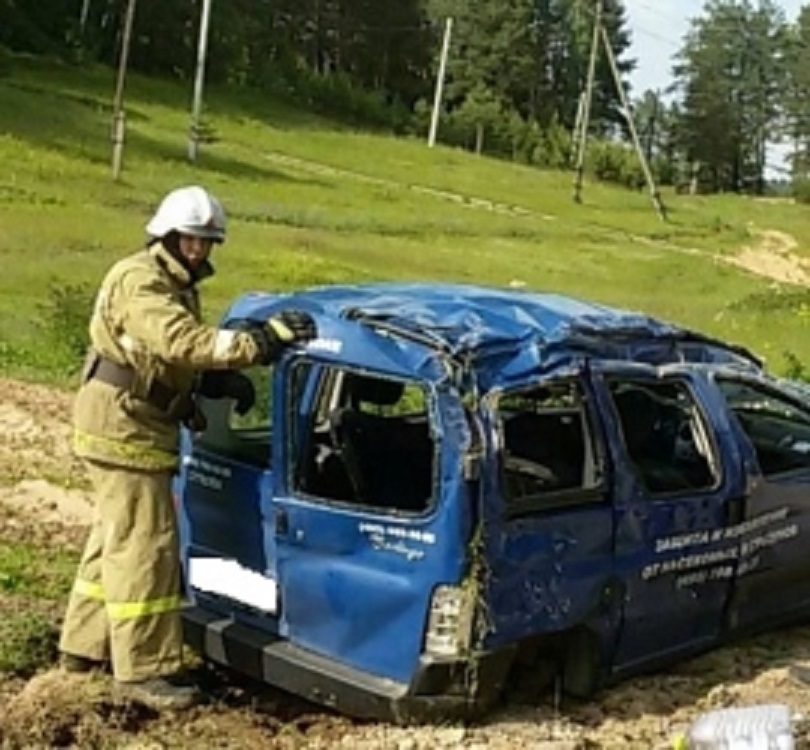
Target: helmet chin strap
x=172, y=243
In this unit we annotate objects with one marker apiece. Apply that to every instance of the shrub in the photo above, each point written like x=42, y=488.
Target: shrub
x=337, y=95
x=63, y=319
x=616, y=163
x=801, y=190
x=795, y=368
x=5, y=61
x=554, y=148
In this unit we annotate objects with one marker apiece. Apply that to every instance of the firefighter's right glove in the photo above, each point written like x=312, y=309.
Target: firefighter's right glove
x=292, y=326
x=228, y=384
x=284, y=329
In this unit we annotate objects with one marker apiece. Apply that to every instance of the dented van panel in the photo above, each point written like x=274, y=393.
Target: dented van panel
x=456, y=488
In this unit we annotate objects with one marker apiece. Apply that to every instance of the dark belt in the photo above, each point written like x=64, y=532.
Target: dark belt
x=162, y=396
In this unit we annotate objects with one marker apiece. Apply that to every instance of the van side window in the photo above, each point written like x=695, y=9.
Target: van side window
x=368, y=442
x=242, y=437
x=665, y=435
x=548, y=448
x=778, y=429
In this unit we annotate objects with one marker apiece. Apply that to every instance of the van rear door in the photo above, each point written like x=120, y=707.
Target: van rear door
x=227, y=520
x=367, y=522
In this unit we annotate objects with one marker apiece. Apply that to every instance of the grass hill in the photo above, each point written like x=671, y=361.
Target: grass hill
x=313, y=202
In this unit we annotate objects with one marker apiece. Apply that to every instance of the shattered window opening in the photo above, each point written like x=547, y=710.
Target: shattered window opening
x=548, y=455
x=778, y=430
x=665, y=435
x=368, y=442
x=242, y=437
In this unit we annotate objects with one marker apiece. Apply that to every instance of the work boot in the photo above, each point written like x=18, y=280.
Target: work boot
x=159, y=693
x=78, y=664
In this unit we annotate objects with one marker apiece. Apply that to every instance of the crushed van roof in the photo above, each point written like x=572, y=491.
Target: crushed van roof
x=480, y=319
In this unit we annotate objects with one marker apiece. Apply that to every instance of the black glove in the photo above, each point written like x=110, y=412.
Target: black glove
x=291, y=326
x=283, y=329
x=228, y=384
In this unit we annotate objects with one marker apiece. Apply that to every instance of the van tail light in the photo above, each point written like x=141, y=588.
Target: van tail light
x=450, y=622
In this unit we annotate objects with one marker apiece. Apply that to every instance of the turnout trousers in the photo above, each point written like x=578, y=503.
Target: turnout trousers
x=125, y=603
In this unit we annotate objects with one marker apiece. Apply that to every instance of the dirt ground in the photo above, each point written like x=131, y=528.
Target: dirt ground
x=44, y=502
x=772, y=256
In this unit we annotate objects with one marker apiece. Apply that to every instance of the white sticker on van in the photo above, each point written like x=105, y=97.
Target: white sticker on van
x=398, y=532
x=398, y=540
x=217, y=575
x=335, y=346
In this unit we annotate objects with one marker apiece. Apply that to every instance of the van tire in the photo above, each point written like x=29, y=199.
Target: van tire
x=582, y=666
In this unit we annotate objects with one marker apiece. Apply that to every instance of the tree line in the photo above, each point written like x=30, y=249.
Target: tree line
x=515, y=73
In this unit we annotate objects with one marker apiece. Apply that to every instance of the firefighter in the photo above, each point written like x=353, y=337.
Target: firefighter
x=148, y=350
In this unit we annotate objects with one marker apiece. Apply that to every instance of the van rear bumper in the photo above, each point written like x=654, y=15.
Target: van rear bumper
x=270, y=659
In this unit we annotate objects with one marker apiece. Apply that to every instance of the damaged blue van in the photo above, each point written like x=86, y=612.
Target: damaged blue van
x=455, y=487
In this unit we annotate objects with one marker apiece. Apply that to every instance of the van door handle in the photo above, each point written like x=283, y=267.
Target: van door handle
x=282, y=522
x=736, y=507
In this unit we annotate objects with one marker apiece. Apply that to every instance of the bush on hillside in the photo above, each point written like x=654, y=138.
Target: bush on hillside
x=801, y=190
x=553, y=148
x=5, y=61
x=480, y=120
x=616, y=163
x=336, y=95
x=63, y=319
x=503, y=133
x=795, y=369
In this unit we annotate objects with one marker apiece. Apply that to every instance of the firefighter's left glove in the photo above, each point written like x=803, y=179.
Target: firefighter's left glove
x=229, y=384
x=283, y=329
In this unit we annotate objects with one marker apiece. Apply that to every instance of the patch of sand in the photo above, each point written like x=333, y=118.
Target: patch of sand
x=49, y=503
x=774, y=258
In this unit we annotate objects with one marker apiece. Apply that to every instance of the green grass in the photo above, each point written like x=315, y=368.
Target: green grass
x=26, y=571
x=313, y=202
x=34, y=583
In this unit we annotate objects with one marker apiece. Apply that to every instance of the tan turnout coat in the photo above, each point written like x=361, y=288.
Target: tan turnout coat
x=147, y=316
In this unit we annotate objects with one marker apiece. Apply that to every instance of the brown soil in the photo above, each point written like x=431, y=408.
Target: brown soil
x=56, y=710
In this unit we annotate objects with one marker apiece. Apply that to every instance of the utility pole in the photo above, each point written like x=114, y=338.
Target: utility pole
x=119, y=116
x=437, y=99
x=577, y=129
x=585, y=118
x=652, y=126
x=196, y=109
x=85, y=12
x=654, y=194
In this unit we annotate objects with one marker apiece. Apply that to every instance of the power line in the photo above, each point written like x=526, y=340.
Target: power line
x=657, y=12
x=658, y=37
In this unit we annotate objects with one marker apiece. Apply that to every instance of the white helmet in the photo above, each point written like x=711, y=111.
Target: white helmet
x=189, y=210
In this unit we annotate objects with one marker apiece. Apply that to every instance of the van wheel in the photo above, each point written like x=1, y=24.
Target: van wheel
x=582, y=668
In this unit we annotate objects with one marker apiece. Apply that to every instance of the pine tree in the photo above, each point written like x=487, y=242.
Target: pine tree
x=530, y=58
x=797, y=94
x=730, y=71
